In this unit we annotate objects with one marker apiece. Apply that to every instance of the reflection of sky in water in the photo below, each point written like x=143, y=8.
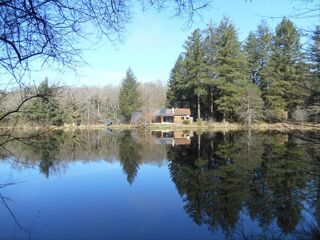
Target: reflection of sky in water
x=93, y=199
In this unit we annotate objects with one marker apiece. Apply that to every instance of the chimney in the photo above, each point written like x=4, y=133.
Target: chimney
x=172, y=110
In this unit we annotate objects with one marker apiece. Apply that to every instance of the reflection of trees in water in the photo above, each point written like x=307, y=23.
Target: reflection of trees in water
x=47, y=148
x=314, y=185
x=129, y=155
x=286, y=178
x=52, y=152
x=5, y=201
x=269, y=178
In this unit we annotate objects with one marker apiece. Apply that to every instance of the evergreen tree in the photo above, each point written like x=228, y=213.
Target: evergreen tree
x=129, y=96
x=251, y=51
x=229, y=68
x=314, y=52
x=196, y=68
x=314, y=79
x=211, y=51
x=177, y=93
x=46, y=109
x=284, y=73
x=257, y=50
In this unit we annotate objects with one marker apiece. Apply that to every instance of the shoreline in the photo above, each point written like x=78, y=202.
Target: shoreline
x=202, y=126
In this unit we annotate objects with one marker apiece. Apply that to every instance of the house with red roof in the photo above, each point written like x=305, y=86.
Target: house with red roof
x=172, y=115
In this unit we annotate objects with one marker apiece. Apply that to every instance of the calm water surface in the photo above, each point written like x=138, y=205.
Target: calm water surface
x=160, y=185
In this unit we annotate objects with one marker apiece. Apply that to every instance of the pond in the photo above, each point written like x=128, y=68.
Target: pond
x=160, y=185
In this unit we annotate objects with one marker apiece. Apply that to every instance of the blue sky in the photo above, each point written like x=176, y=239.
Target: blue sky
x=152, y=41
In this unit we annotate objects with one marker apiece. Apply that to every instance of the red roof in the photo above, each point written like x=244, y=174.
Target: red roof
x=182, y=111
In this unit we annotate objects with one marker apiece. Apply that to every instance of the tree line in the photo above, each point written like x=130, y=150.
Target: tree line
x=270, y=76
x=86, y=105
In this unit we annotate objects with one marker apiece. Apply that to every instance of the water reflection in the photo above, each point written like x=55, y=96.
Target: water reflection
x=271, y=178
x=227, y=181
x=129, y=155
x=178, y=137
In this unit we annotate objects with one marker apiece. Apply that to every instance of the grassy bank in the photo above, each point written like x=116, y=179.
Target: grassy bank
x=235, y=126
x=201, y=126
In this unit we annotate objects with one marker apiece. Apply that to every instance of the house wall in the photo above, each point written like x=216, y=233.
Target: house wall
x=162, y=119
x=180, y=119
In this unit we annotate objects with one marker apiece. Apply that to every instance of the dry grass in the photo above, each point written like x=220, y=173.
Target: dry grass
x=197, y=126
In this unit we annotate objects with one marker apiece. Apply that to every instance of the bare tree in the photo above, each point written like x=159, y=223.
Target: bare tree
x=153, y=97
x=48, y=30
x=38, y=33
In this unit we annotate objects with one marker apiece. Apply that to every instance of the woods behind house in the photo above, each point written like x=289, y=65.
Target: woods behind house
x=272, y=76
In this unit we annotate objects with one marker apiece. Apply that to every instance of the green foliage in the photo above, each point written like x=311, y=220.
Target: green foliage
x=196, y=67
x=265, y=78
x=229, y=68
x=257, y=50
x=284, y=73
x=45, y=109
x=129, y=97
x=177, y=94
x=313, y=86
x=186, y=121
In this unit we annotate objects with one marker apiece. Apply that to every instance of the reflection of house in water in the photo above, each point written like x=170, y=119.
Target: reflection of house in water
x=172, y=137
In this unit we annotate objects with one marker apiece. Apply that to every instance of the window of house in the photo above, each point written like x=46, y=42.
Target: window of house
x=182, y=118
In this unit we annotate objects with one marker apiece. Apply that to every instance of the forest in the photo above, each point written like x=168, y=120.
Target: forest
x=272, y=76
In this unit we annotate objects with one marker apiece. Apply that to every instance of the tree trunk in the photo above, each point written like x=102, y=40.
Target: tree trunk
x=199, y=116
x=211, y=105
x=88, y=116
x=199, y=145
x=250, y=118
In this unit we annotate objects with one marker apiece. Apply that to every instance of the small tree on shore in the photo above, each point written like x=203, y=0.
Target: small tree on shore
x=251, y=104
x=45, y=110
x=129, y=97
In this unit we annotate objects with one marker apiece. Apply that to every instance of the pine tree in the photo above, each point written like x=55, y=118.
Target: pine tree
x=284, y=73
x=257, y=50
x=314, y=76
x=45, y=110
x=129, y=96
x=177, y=93
x=251, y=48
x=229, y=69
x=196, y=68
x=314, y=52
x=211, y=51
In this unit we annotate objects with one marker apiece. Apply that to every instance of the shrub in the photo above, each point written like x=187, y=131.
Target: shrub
x=186, y=121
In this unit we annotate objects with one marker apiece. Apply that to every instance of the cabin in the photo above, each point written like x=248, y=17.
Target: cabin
x=172, y=115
